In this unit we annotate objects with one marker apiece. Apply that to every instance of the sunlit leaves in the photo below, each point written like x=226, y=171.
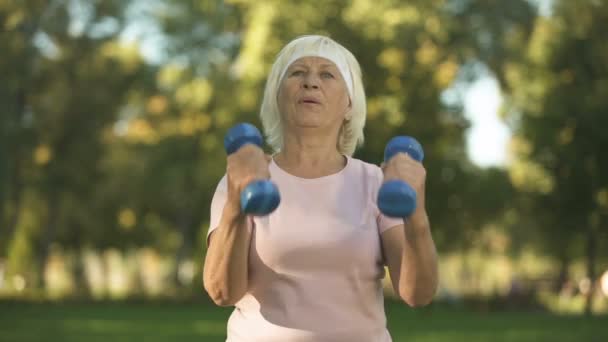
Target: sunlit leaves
x=520, y=147
x=127, y=219
x=393, y=59
x=427, y=53
x=169, y=76
x=128, y=56
x=393, y=84
x=249, y=64
x=194, y=94
x=189, y=124
x=380, y=20
x=389, y=107
x=544, y=34
x=42, y=154
x=566, y=134
x=529, y=176
x=157, y=104
x=445, y=73
x=139, y=130
x=209, y=143
x=601, y=198
x=14, y=19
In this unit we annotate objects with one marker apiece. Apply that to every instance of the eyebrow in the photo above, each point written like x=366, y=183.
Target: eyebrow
x=306, y=66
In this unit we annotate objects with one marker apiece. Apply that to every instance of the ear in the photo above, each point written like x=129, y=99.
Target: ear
x=348, y=115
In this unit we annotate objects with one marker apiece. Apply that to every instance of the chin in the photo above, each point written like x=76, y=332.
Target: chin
x=307, y=122
x=308, y=125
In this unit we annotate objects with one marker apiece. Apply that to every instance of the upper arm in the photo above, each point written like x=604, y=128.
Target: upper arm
x=217, y=206
x=393, y=246
x=209, y=237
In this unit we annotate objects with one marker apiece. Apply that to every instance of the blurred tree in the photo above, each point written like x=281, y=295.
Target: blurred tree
x=185, y=118
x=67, y=76
x=121, y=149
x=107, y=148
x=15, y=137
x=557, y=107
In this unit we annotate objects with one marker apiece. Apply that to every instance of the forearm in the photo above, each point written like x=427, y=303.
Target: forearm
x=419, y=273
x=225, y=271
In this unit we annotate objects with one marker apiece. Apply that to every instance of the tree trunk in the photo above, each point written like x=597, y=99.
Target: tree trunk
x=15, y=183
x=48, y=235
x=591, y=250
x=11, y=137
x=3, y=186
x=186, y=211
x=185, y=227
x=563, y=275
x=81, y=288
x=16, y=192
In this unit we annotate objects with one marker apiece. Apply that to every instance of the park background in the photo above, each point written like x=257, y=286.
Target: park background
x=112, y=117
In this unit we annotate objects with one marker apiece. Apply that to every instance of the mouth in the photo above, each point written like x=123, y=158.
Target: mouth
x=309, y=100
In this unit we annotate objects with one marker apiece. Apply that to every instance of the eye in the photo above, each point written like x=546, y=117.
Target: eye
x=297, y=72
x=327, y=74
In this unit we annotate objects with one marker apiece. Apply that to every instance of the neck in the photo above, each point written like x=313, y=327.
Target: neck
x=310, y=157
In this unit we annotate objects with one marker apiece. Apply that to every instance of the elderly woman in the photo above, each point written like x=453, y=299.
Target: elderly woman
x=312, y=269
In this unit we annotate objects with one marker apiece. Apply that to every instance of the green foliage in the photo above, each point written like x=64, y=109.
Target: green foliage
x=103, y=146
x=557, y=107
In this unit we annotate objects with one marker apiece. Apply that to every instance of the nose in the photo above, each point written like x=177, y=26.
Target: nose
x=311, y=81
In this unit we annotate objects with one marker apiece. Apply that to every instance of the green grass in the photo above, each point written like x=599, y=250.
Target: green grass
x=149, y=322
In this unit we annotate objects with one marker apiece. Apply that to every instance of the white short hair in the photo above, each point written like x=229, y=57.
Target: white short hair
x=351, y=133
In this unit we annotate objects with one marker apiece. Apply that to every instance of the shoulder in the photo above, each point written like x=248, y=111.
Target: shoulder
x=371, y=173
x=370, y=169
x=223, y=183
x=222, y=186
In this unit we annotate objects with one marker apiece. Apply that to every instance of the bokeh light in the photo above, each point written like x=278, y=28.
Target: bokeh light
x=604, y=283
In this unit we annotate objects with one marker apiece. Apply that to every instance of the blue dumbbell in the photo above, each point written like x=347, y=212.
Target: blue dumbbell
x=397, y=198
x=259, y=197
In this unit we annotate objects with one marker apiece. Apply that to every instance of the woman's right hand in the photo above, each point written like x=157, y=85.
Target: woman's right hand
x=247, y=164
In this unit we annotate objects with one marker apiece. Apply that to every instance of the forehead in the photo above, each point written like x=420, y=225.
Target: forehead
x=313, y=61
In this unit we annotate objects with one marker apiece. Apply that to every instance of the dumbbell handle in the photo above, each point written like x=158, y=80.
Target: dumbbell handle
x=259, y=197
x=397, y=198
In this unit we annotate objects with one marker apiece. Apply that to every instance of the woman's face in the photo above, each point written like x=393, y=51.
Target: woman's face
x=313, y=94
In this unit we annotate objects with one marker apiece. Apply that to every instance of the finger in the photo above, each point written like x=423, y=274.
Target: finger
x=405, y=156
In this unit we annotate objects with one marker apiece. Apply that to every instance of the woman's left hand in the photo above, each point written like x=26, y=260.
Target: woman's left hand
x=405, y=168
